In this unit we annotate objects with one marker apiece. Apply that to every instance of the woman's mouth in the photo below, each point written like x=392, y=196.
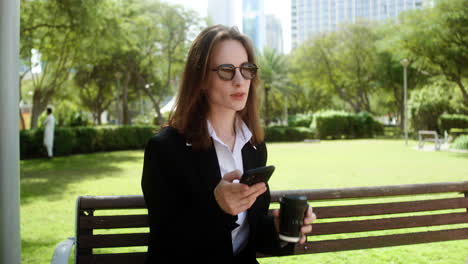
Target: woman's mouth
x=238, y=96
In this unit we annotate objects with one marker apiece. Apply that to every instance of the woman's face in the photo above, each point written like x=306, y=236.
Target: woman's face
x=227, y=95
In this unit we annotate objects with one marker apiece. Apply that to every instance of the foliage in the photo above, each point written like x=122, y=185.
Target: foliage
x=144, y=42
x=287, y=134
x=427, y=105
x=447, y=121
x=300, y=120
x=339, y=124
x=73, y=140
x=51, y=33
x=273, y=73
x=436, y=40
x=342, y=63
x=460, y=142
x=456, y=132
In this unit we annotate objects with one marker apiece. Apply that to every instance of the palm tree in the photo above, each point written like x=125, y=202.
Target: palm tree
x=273, y=73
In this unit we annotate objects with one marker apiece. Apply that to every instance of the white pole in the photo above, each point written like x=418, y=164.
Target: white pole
x=10, y=242
x=406, y=106
x=405, y=62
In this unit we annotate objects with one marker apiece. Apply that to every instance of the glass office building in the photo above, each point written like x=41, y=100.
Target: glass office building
x=253, y=22
x=315, y=16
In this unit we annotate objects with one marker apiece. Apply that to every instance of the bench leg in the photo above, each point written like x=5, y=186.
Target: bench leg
x=62, y=251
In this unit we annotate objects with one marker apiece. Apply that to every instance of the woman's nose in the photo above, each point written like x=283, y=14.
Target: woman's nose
x=238, y=78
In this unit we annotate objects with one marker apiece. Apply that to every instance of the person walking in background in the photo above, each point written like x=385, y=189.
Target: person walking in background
x=49, y=125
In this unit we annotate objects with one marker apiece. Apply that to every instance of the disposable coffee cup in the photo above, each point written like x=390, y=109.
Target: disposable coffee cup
x=292, y=212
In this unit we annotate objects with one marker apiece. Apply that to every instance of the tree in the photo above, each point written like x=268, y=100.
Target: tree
x=52, y=30
x=437, y=41
x=157, y=39
x=96, y=87
x=273, y=73
x=342, y=62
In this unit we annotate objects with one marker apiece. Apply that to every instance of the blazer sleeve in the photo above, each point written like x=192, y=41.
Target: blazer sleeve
x=164, y=199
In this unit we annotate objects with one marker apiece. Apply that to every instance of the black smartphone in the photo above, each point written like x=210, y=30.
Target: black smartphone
x=261, y=174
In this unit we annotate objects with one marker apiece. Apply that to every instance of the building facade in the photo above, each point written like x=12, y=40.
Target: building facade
x=253, y=22
x=315, y=16
x=225, y=12
x=274, y=33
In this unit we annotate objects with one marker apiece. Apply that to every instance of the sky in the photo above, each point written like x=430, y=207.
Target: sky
x=280, y=8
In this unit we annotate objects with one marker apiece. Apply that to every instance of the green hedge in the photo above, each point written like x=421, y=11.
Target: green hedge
x=73, y=140
x=339, y=124
x=447, y=122
x=300, y=120
x=283, y=134
x=461, y=142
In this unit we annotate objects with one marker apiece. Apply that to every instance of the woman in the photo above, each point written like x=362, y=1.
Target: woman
x=197, y=208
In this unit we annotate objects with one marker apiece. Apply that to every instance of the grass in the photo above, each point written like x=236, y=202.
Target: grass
x=49, y=189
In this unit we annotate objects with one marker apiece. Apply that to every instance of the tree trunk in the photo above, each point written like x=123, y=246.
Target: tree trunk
x=463, y=90
x=39, y=105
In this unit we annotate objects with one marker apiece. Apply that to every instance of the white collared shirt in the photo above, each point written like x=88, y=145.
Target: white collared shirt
x=229, y=161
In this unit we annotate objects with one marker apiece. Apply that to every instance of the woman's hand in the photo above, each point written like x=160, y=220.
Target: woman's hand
x=233, y=197
x=306, y=227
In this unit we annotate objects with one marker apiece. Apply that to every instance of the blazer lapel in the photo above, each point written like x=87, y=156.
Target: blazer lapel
x=209, y=171
x=248, y=157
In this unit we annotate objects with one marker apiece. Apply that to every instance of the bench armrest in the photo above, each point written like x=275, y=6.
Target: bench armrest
x=62, y=251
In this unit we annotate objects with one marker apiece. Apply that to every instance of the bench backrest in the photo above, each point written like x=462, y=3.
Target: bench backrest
x=345, y=219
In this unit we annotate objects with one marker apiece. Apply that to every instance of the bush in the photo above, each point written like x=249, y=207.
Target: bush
x=461, y=142
x=427, y=105
x=283, y=134
x=447, y=122
x=73, y=140
x=456, y=132
x=339, y=124
x=300, y=120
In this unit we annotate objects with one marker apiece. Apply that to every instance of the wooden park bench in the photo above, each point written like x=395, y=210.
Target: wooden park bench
x=414, y=201
x=429, y=136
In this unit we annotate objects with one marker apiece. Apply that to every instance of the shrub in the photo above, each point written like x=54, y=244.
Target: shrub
x=283, y=134
x=427, y=105
x=72, y=140
x=461, y=142
x=447, y=122
x=300, y=120
x=339, y=124
x=456, y=132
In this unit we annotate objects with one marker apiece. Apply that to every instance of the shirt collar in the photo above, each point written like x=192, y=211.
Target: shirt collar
x=243, y=132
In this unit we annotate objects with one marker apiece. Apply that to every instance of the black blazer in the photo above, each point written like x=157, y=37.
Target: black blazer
x=185, y=220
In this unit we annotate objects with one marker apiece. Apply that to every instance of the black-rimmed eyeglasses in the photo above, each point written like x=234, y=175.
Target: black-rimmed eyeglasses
x=227, y=72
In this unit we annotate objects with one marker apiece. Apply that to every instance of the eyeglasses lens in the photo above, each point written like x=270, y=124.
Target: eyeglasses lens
x=226, y=73
x=248, y=71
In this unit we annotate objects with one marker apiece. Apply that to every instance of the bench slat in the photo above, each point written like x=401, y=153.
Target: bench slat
x=115, y=240
x=389, y=208
x=137, y=201
x=377, y=191
x=388, y=223
x=116, y=258
x=113, y=221
x=112, y=202
x=381, y=241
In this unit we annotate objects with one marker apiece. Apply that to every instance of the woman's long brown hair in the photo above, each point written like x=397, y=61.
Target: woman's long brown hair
x=191, y=109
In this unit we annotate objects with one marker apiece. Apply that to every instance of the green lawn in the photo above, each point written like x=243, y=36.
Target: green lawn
x=49, y=189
